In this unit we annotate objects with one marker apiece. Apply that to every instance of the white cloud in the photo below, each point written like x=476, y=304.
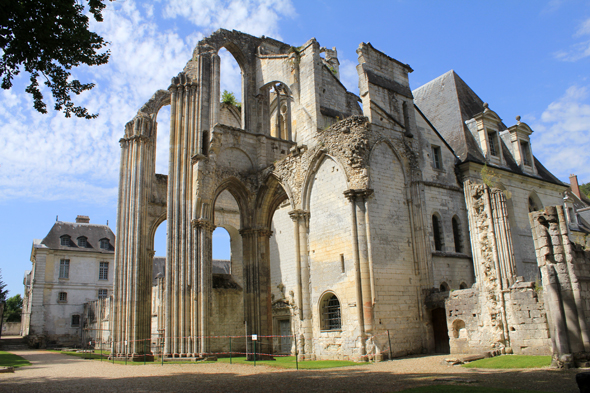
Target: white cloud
x=562, y=135
x=578, y=50
x=256, y=17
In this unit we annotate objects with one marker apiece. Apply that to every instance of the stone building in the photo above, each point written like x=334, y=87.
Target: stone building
x=351, y=218
x=72, y=265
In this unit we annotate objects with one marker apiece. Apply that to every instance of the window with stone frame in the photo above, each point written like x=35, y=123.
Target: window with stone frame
x=103, y=271
x=493, y=142
x=330, y=313
x=65, y=240
x=83, y=241
x=457, y=234
x=75, y=320
x=525, y=150
x=436, y=157
x=62, y=297
x=437, y=233
x=64, y=268
x=103, y=293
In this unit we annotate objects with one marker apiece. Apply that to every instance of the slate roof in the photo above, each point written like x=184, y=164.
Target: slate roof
x=448, y=102
x=93, y=232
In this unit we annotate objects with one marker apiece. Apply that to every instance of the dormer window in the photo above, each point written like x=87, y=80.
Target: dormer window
x=65, y=240
x=104, y=244
x=526, y=153
x=493, y=141
x=82, y=242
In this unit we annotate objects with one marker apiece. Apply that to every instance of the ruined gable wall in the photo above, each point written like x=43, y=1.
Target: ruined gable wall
x=396, y=285
x=329, y=236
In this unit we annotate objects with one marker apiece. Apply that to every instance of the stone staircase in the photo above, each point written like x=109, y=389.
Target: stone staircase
x=13, y=343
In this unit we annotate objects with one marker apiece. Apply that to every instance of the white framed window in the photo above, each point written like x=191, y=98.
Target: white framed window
x=64, y=268
x=103, y=271
x=62, y=297
x=102, y=293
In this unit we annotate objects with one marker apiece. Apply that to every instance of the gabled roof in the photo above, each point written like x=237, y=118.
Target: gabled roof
x=93, y=232
x=449, y=102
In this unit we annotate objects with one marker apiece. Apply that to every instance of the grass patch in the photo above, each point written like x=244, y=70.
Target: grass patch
x=289, y=362
x=462, y=389
x=8, y=359
x=511, y=361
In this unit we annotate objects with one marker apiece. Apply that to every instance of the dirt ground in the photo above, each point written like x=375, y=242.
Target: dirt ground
x=54, y=372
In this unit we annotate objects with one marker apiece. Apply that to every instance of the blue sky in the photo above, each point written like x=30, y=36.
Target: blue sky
x=527, y=58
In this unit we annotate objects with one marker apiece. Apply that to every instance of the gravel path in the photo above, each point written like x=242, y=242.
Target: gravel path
x=54, y=372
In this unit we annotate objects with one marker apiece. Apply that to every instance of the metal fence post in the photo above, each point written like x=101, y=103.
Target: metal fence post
x=296, y=353
x=230, y=350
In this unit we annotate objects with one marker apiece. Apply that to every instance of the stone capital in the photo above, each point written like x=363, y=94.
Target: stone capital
x=361, y=194
x=298, y=213
x=256, y=232
x=203, y=224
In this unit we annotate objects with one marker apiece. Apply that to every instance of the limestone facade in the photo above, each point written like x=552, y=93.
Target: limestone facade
x=351, y=218
x=72, y=265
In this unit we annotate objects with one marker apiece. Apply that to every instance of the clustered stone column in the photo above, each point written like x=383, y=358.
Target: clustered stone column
x=556, y=260
x=363, y=271
x=133, y=264
x=301, y=226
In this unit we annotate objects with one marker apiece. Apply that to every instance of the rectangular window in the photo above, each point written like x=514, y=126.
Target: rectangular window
x=64, y=268
x=75, y=320
x=436, y=157
x=62, y=297
x=526, y=153
x=102, y=293
x=493, y=141
x=103, y=271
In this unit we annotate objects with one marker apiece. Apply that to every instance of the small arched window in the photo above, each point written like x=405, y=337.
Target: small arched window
x=463, y=286
x=330, y=309
x=457, y=234
x=82, y=242
x=444, y=287
x=437, y=233
x=65, y=240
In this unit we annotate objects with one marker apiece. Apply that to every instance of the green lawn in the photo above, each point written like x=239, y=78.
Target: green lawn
x=511, y=361
x=289, y=362
x=462, y=389
x=10, y=360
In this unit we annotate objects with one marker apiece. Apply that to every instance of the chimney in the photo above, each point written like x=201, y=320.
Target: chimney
x=86, y=219
x=574, y=185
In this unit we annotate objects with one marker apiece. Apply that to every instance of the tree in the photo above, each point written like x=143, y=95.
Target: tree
x=227, y=97
x=3, y=292
x=585, y=189
x=48, y=38
x=13, y=309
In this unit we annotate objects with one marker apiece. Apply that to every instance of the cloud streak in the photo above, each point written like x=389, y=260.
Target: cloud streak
x=579, y=50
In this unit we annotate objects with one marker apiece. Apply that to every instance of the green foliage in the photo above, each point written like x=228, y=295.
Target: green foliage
x=48, y=39
x=11, y=360
x=463, y=389
x=585, y=189
x=13, y=309
x=491, y=178
x=227, y=97
x=511, y=361
x=3, y=292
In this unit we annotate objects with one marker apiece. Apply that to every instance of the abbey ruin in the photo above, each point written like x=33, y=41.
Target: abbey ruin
x=399, y=211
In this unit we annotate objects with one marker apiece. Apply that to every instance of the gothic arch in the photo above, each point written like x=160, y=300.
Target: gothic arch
x=240, y=193
x=314, y=166
x=399, y=157
x=534, y=202
x=271, y=195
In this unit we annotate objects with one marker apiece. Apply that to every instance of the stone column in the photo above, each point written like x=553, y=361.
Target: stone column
x=365, y=257
x=351, y=195
x=301, y=222
x=204, y=230
x=133, y=268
